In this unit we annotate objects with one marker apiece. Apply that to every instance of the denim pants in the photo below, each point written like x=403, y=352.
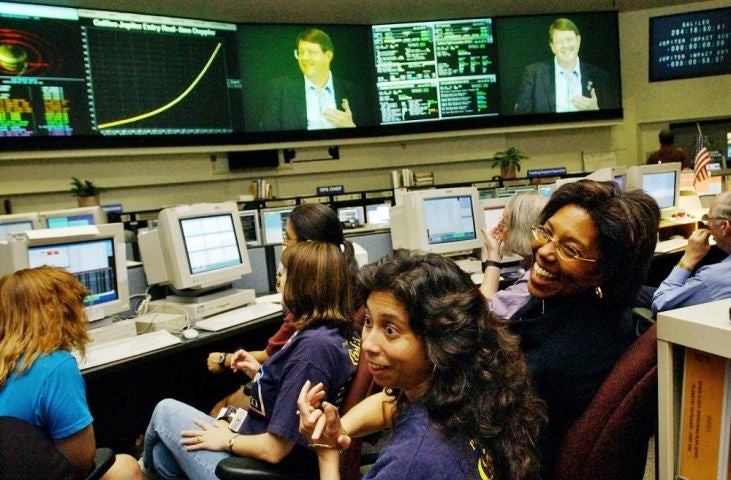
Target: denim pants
x=165, y=454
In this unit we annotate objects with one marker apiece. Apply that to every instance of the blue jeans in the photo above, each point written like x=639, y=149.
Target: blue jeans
x=163, y=451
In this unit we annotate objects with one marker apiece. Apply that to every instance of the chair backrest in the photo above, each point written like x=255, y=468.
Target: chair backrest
x=26, y=453
x=609, y=440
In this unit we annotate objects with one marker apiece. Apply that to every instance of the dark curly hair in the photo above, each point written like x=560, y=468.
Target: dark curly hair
x=480, y=390
x=626, y=224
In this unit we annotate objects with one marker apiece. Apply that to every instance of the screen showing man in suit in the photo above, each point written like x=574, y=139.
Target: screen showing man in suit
x=307, y=84
x=564, y=83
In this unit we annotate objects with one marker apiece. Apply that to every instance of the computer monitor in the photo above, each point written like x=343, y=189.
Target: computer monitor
x=273, y=223
x=95, y=254
x=352, y=215
x=250, y=225
x=73, y=217
x=493, y=209
x=547, y=189
x=661, y=181
x=195, y=248
x=18, y=222
x=378, y=214
x=616, y=174
x=441, y=220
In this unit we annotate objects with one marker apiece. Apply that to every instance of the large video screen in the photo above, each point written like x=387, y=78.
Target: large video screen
x=80, y=78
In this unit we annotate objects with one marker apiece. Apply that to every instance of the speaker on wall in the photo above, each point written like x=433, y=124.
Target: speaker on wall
x=238, y=161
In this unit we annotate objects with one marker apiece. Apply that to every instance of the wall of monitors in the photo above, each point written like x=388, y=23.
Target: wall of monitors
x=77, y=78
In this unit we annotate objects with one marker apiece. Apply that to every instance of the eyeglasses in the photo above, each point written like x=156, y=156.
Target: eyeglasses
x=705, y=218
x=306, y=53
x=287, y=239
x=565, y=252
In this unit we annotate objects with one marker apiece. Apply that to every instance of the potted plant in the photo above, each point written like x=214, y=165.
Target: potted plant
x=508, y=161
x=86, y=193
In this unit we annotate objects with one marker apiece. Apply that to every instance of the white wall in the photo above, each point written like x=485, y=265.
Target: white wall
x=140, y=180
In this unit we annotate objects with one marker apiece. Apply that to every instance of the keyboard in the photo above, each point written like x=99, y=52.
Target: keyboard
x=237, y=316
x=671, y=245
x=119, y=349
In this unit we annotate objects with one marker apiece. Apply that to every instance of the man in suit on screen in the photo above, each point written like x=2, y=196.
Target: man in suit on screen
x=564, y=84
x=317, y=99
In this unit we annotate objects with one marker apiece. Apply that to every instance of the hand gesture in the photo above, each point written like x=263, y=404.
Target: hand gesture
x=586, y=103
x=321, y=427
x=243, y=361
x=339, y=118
x=493, y=242
x=697, y=248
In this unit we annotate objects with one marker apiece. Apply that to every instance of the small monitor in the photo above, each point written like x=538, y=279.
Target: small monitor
x=273, y=223
x=547, y=189
x=378, y=214
x=73, y=217
x=352, y=215
x=441, y=220
x=250, y=225
x=493, y=209
x=661, y=181
x=18, y=222
x=96, y=255
x=195, y=247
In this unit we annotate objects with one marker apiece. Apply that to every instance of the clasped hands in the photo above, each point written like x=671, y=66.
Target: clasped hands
x=320, y=421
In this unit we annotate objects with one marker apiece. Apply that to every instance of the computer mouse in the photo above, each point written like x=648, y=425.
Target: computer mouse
x=190, y=333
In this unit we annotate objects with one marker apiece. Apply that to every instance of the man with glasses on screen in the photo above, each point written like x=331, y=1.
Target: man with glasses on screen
x=316, y=100
x=564, y=84
x=710, y=282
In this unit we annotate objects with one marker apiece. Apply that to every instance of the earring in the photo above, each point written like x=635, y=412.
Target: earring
x=598, y=292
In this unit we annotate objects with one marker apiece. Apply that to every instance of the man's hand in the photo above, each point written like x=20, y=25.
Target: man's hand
x=340, y=118
x=586, y=103
x=697, y=248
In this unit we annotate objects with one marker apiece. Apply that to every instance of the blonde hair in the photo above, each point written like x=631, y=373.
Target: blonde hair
x=41, y=311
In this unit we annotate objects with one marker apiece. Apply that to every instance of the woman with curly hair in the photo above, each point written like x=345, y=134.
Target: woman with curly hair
x=457, y=393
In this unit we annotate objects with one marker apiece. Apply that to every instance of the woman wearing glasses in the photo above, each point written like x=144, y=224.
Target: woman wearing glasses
x=592, y=249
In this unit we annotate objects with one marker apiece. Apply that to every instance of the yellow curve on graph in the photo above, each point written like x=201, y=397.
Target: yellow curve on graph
x=171, y=103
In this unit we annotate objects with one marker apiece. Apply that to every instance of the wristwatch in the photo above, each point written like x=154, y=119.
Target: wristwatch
x=221, y=359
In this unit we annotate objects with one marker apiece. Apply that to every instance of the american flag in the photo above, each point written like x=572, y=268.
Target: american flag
x=702, y=159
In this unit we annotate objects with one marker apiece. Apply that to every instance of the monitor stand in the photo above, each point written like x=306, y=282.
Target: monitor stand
x=202, y=306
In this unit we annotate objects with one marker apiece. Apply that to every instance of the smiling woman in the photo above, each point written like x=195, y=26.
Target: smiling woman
x=592, y=249
x=457, y=389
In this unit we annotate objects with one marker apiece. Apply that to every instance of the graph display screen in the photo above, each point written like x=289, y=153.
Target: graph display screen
x=86, y=72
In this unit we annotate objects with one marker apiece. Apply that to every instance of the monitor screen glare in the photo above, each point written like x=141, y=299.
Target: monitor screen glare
x=661, y=187
x=210, y=243
x=14, y=227
x=92, y=262
x=449, y=219
x=379, y=214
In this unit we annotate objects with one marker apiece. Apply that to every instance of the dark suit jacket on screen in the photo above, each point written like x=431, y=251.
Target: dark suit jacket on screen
x=286, y=107
x=538, y=88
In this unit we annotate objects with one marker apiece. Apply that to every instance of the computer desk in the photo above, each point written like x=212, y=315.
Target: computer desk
x=123, y=394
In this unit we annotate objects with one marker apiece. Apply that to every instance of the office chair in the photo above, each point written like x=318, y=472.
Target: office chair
x=26, y=453
x=239, y=468
x=609, y=440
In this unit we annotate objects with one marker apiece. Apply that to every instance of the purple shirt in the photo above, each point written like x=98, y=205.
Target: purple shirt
x=509, y=300
x=417, y=450
x=317, y=354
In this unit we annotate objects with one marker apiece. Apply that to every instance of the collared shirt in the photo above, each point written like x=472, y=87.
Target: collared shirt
x=568, y=86
x=711, y=282
x=319, y=99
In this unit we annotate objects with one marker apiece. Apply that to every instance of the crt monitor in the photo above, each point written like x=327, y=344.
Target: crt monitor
x=195, y=248
x=18, y=222
x=493, y=209
x=661, y=181
x=273, y=223
x=250, y=225
x=354, y=215
x=378, y=214
x=440, y=220
x=73, y=217
x=96, y=255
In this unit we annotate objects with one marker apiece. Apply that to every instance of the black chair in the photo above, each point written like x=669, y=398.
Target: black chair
x=25, y=453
